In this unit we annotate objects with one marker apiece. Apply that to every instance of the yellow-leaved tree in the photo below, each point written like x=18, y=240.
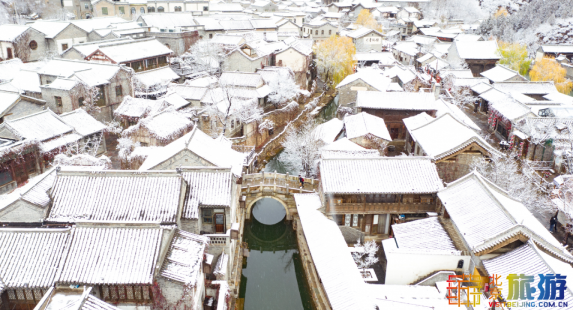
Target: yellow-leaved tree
x=514, y=56
x=367, y=20
x=547, y=69
x=335, y=58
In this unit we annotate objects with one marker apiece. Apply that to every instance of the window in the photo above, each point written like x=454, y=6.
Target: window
x=322, y=32
x=270, y=132
x=86, y=6
x=177, y=9
x=355, y=220
x=122, y=11
x=347, y=220
x=207, y=215
x=33, y=45
x=316, y=32
x=58, y=100
x=133, y=11
x=118, y=91
x=205, y=8
x=150, y=9
x=160, y=9
x=105, y=11
x=81, y=102
x=101, y=96
x=210, y=36
x=137, y=66
x=330, y=31
x=162, y=61
x=232, y=124
x=142, y=10
x=5, y=177
x=150, y=63
x=64, y=47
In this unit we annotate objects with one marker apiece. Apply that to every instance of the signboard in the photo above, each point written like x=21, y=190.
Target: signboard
x=358, y=88
x=373, y=40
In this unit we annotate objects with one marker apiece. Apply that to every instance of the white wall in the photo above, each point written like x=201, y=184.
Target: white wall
x=406, y=268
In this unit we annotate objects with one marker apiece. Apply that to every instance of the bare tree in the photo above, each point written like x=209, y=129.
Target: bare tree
x=365, y=255
x=302, y=150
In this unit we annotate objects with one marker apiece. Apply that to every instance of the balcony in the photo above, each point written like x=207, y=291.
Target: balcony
x=378, y=208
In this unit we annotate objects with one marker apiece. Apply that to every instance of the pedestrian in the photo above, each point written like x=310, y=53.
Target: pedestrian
x=301, y=180
x=553, y=223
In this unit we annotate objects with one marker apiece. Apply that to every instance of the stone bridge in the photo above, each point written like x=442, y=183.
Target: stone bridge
x=280, y=187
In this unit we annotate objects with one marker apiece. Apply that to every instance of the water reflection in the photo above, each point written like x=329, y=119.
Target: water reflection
x=272, y=277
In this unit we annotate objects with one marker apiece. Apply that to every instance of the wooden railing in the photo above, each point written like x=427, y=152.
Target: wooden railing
x=375, y=208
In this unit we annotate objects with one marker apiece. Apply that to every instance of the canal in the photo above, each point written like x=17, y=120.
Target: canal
x=280, y=166
x=272, y=276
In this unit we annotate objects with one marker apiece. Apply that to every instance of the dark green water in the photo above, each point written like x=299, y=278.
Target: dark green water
x=273, y=276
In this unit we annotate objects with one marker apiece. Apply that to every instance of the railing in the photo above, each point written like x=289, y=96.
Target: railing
x=540, y=165
x=218, y=239
x=380, y=208
x=276, y=183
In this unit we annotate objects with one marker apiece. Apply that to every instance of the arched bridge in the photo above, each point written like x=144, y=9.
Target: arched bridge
x=280, y=187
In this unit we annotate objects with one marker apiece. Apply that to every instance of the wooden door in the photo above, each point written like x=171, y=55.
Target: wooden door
x=219, y=222
x=9, y=52
x=368, y=223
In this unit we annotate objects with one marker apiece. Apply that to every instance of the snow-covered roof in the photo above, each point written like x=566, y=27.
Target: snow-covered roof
x=457, y=73
x=481, y=87
x=417, y=121
x=212, y=150
x=60, y=141
x=445, y=136
x=118, y=196
x=343, y=144
x=470, y=82
x=363, y=124
x=409, y=298
x=190, y=93
x=168, y=20
x=339, y=274
x=486, y=215
x=328, y=131
x=30, y=258
x=112, y=255
x=477, y=49
x=241, y=79
x=9, y=32
x=165, y=126
x=505, y=104
x=61, y=84
x=500, y=73
x=156, y=76
x=407, y=47
x=97, y=22
x=42, y=126
x=185, y=258
x=363, y=32
x=82, y=122
x=383, y=175
x=7, y=100
x=395, y=100
x=384, y=58
x=134, y=50
x=38, y=193
x=207, y=186
x=424, y=236
x=92, y=303
x=443, y=107
x=92, y=73
x=566, y=49
x=528, y=259
x=526, y=87
x=369, y=76
x=138, y=107
x=49, y=28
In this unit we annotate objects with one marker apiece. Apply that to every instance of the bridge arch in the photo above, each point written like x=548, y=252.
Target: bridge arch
x=252, y=203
